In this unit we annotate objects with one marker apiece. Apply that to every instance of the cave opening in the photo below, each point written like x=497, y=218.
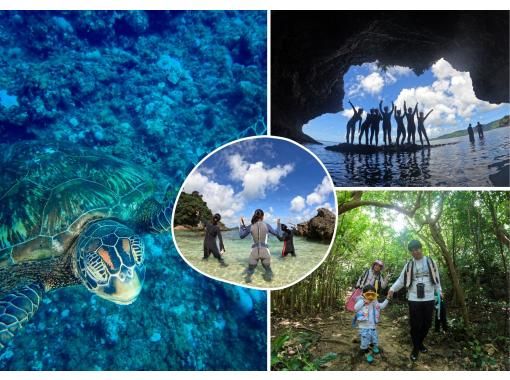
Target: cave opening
x=441, y=87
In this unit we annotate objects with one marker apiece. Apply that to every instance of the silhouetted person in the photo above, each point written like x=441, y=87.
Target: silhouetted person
x=364, y=127
x=471, y=133
x=351, y=124
x=374, y=127
x=479, y=129
x=401, y=129
x=386, y=118
x=421, y=126
x=411, y=127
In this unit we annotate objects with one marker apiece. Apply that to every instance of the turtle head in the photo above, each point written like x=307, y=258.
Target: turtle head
x=110, y=261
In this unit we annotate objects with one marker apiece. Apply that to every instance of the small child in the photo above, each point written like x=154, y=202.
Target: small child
x=368, y=311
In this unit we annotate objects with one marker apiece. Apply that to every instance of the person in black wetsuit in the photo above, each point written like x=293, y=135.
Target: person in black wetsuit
x=374, y=128
x=479, y=129
x=421, y=126
x=213, y=241
x=386, y=124
x=401, y=129
x=351, y=124
x=364, y=127
x=288, y=241
x=411, y=127
x=471, y=134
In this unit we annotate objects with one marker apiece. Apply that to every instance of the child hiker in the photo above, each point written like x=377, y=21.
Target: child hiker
x=368, y=310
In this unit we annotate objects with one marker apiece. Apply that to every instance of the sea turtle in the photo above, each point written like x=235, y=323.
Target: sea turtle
x=71, y=216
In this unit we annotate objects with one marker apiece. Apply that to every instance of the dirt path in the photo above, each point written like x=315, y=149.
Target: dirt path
x=334, y=333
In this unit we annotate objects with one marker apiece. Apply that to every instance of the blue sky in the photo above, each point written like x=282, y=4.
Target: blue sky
x=272, y=174
x=442, y=88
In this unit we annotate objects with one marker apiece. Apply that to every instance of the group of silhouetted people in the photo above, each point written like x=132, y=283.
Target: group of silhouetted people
x=375, y=116
x=471, y=132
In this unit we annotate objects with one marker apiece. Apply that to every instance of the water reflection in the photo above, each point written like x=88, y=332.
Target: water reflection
x=482, y=163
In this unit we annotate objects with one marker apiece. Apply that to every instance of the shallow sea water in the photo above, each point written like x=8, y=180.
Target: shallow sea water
x=286, y=270
x=483, y=163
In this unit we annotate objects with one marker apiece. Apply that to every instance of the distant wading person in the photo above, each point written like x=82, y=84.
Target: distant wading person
x=259, y=231
x=479, y=129
x=471, y=133
x=213, y=241
x=401, y=129
x=421, y=126
x=386, y=117
x=411, y=126
x=421, y=278
x=351, y=124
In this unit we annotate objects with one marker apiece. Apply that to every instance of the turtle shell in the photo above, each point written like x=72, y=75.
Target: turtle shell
x=49, y=192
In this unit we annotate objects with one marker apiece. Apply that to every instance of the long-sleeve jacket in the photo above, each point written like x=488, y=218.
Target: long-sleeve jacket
x=367, y=316
x=419, y=271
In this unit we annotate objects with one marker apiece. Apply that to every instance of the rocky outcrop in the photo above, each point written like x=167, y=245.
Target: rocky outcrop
x=371, y=149
x=320, y=227
x=311, y=52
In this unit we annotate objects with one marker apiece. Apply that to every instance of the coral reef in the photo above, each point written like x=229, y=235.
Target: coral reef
x=160, y=89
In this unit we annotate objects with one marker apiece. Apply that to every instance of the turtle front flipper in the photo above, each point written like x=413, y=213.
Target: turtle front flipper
x=154, y=217
x=17, y=308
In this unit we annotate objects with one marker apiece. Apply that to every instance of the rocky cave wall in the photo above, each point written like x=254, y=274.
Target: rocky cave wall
x=311, y=52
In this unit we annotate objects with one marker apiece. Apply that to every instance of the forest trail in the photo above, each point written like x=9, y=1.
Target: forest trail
x=334, y=333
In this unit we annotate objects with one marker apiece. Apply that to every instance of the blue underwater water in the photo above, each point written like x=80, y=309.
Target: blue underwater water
x=160, y=89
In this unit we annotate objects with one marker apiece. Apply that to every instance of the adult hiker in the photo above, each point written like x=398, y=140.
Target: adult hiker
x=420, y=276
x=373, y=276
x=386, y=126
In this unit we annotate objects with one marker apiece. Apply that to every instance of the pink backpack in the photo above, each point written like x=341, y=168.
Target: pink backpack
x=349, y=305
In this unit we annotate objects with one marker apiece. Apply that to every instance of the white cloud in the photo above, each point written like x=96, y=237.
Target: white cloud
x=220, y=198
x=374, y=82
x=451, y=95
x=256, y=178
x=320, y=192
x=297, y=204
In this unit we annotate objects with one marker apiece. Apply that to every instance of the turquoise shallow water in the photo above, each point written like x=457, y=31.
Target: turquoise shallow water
x=286, y=269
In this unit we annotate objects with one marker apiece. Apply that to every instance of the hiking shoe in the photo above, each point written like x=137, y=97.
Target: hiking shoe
x=223, y=264
x=414, y=355
x=247, y=279
x=370, y=358
x=376, y=350
x=423, y=349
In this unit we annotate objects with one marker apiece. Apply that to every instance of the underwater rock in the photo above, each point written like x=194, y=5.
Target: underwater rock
x=320, y=227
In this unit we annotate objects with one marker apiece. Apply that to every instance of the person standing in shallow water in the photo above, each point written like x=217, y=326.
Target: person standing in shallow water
x=374, y=127
x=351, y=124
x=401, y=129
x=421, y=126
x=421, y=278
x=479, y=129
x=213, y=241
x=259, y=231
x=386, y=125
x=288, y=241
x=411, y=126
x=364, y=127
x=471, y=134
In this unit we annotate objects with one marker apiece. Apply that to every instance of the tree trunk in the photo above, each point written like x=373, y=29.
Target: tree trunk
x=457, y=287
